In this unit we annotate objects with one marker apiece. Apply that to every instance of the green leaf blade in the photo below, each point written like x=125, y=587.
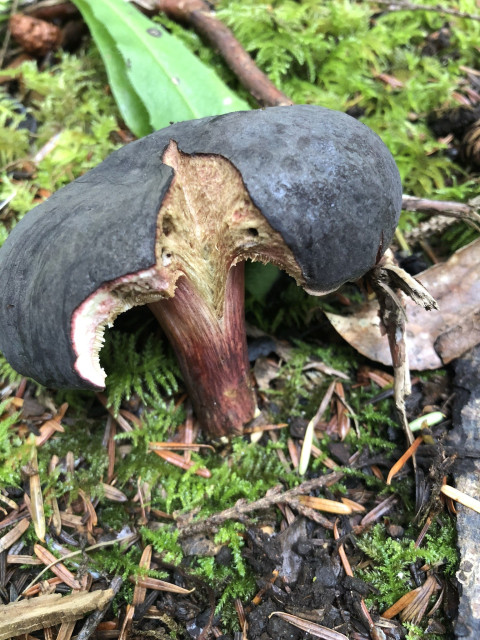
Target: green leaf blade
x=155, y=79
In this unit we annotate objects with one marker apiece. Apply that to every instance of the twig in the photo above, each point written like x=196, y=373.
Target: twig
x=241, y=508
x=198, y=14
x=92, y=622
x=407, y=6
x=459, y=210
x=392, y=315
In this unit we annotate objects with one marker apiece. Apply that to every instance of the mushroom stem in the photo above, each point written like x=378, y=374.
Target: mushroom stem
x=212, y=353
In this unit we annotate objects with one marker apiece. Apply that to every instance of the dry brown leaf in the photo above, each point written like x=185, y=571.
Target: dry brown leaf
x=72, y=520
x=44, y=585
x=265, y=370
x=35, y=36
x=415, y=611
x=52, y=426
x=404, y=458
x=434, y=338
x=293, y=451
x=140, y=592
x=9, y=502
x=114, y=494
x=310, y=627
x=179, y=461
x=242, y=619
x=347, y=567
x=341, y=552
x=343, y=419
x=89, y=509
x=322, y=504
x=400, y=604
x=59, y=569
x=391, y=81
x=378, y=511
x=354, y=506
x=158, y=585
x=167, y=446
x=55, y=519
x=127, y=623
x=21, y=559
x=36, y=497
x=66, y=630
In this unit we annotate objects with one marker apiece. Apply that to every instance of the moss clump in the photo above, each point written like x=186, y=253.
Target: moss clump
x=74, y=113
x=389, y=571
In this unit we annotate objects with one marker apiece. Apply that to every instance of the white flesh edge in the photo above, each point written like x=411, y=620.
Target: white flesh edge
x=99, y=311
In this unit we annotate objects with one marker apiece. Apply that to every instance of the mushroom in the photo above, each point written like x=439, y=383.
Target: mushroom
x=169, y=220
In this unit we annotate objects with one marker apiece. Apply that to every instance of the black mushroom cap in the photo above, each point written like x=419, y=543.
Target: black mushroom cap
x=324, y=181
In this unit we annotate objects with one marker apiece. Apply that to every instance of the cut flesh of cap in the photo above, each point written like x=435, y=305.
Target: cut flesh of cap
x=207, y=223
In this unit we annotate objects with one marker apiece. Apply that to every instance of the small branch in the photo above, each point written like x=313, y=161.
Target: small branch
x=407, y=6
x=460, y=210
x=18, y=618
x=242, y=509
x=387, y=280
x=92, y=622
x=392, y=316
x=198, y=15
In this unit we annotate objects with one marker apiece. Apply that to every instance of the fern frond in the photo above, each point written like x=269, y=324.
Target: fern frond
x=7, y=374
x=138, y=367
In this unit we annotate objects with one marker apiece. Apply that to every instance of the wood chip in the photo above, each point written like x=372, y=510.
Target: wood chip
x=14, y=534
x=46, y=611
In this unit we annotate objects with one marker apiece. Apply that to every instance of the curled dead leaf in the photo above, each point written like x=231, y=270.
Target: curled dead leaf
x=434, y=337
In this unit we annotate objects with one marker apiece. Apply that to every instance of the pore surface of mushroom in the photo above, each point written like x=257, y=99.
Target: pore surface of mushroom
x=169, y=220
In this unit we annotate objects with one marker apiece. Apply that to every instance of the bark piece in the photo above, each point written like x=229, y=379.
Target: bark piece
x=465, y=437
x=45, y=611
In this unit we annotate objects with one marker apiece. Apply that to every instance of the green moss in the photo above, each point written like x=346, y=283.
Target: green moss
x=14, y=141
x=138, y=364
x=389, y=572
x=12, y=452
x=75, y=114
